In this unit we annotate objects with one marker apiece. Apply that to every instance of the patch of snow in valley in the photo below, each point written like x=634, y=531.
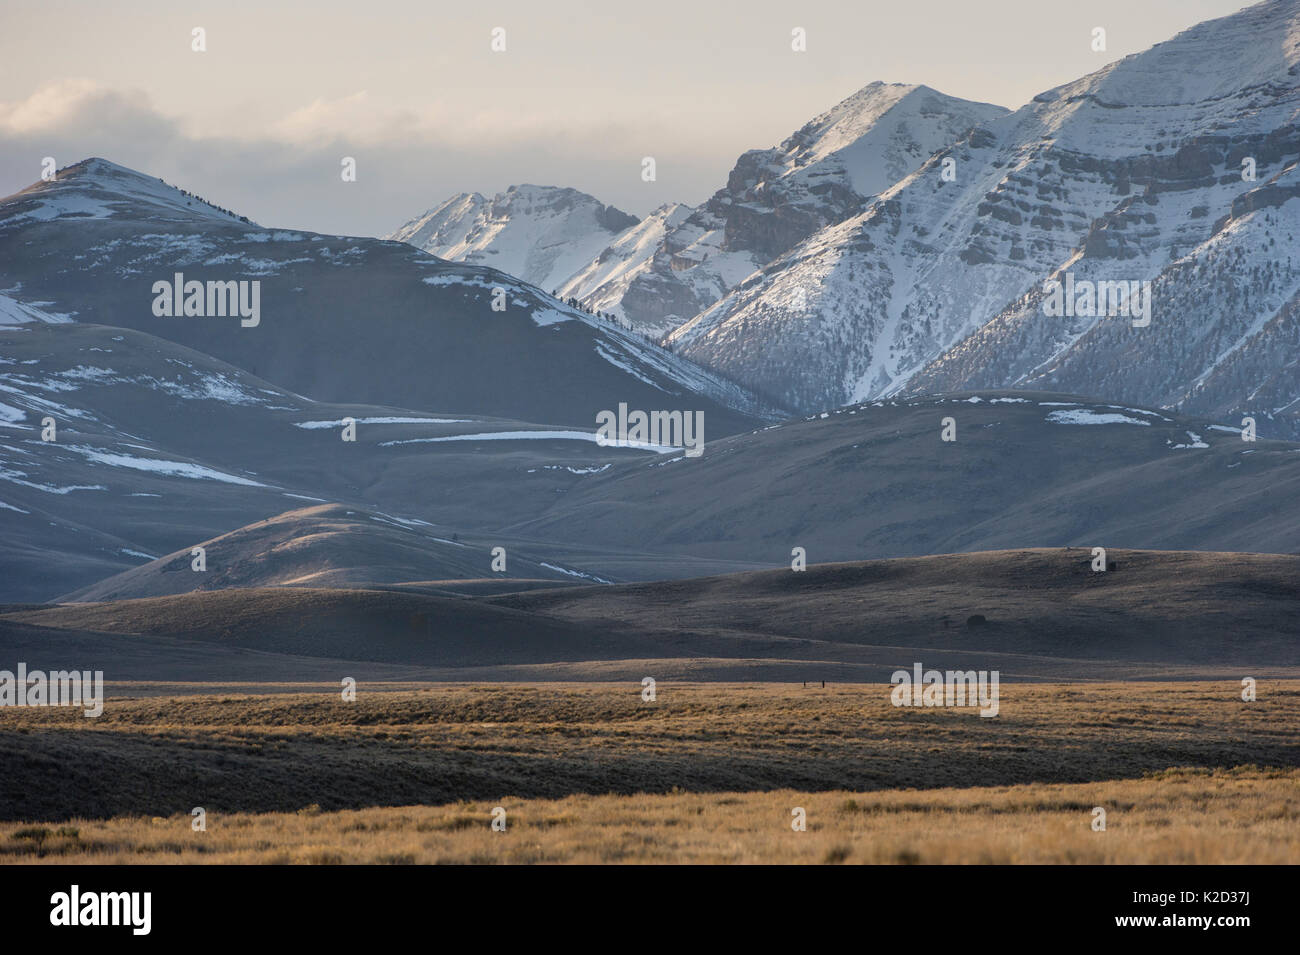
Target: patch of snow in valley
x=565, y=467
x=1087, y=416
x=19, y=477
x=14, y=312
x=185, y=469
x=575, y=573
x=1150, y=414
x=318, y=425
x=606, y=354
x=1196, y=442
x=530, y=435
x=550, y=316
x=400, y=521
x=20, y=388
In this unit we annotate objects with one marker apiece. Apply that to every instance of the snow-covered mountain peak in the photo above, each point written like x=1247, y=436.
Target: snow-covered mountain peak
x=883, y=131
x=658, y=273
x=542, y=234
x=1240, y=72
x=1257, y=46
x=98, y=189
x=876, y=136
x=1167, y=167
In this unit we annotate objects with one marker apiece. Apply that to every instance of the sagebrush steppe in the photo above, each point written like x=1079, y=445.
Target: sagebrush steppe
x=707, y=772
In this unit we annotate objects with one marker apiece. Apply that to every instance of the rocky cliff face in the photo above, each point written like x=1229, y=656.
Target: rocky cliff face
x=657, y=274
x=825, y=172
x=775, y=198
x=1134, y=173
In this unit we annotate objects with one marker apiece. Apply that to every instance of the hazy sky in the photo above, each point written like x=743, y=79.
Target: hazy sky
x=259, y=122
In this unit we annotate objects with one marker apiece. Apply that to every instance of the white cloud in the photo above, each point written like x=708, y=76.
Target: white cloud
x=284, y=172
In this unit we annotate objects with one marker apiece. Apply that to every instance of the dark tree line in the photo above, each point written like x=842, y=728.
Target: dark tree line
x=211, y=205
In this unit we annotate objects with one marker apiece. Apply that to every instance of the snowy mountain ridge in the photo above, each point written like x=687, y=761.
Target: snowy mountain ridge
x=659, y=273
x=1138, y=172
x=541, y=234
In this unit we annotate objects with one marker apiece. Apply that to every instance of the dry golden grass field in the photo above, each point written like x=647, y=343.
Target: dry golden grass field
x=1187, y=772
x=1239, y=816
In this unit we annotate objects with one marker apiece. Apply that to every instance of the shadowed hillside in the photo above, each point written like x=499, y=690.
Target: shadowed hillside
x=1041, y=614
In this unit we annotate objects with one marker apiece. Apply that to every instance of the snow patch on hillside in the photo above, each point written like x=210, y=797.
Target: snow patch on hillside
x=1087, y=416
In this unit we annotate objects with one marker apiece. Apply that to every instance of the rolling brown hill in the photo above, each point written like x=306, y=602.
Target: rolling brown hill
x=1033, y=614
x=1187, y=607
x=379, y=626
x=324, y=546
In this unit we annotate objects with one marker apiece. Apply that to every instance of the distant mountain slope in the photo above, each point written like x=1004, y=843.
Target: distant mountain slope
x=159, y=447
x=1224, y=338
x=877, y=480
x=1046, y=615
x=327, y=545
x=658, y=273
x=341, y=319
x=1154, y=606
x=825, y=172
x=635, y=279
x=1132, y=173
x=377, y=626
x=541, y=234
x=98, y=189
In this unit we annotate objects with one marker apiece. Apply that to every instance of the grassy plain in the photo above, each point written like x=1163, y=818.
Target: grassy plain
x=1187, y=772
